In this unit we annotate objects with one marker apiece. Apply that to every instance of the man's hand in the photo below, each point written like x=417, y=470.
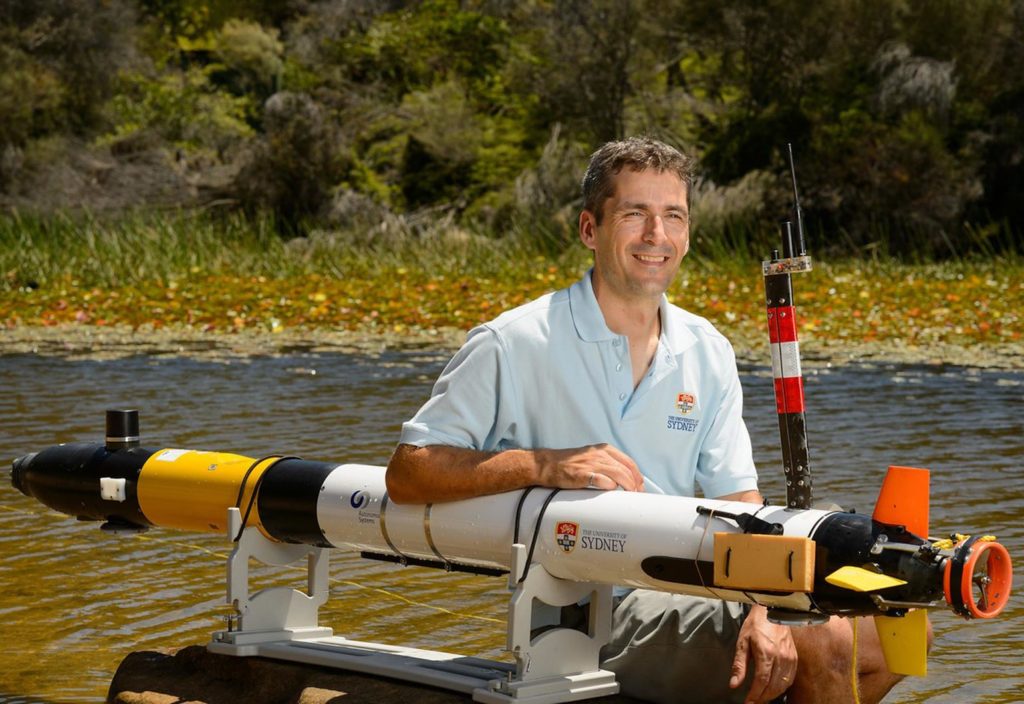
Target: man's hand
x=769, y=648
x=591, y=467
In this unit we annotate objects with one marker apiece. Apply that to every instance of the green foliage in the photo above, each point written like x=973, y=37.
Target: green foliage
x=874, y=97
x=293, y=167
x=31, y=97
x=241, y=58
x=423, y=44
x=907, y=116
x=58, y=60
x=183, y=108
x=193, y=19
x=253, y=54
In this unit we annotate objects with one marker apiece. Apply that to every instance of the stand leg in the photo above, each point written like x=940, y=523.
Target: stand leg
x=278, y=613
x=560, y=664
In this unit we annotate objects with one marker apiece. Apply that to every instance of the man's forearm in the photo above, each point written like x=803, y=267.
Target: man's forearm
x=753, y=496
x=437, y=473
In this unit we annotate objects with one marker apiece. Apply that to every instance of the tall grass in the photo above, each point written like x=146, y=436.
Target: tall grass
x=133, y=247
x=145, y=247
x=139, y=247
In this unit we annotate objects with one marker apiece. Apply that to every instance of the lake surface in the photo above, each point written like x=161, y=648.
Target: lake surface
x=74, y=601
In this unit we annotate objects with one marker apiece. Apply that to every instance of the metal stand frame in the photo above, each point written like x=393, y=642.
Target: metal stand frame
x=556, y=665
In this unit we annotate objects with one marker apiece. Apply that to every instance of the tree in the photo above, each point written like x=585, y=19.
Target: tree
x=292, y=169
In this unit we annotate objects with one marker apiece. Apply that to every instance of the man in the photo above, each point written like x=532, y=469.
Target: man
x=578, y=389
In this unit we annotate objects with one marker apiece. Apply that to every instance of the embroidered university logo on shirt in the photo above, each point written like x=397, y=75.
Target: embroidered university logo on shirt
x=685, y=402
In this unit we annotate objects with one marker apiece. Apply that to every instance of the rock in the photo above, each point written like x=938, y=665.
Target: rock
x=317, y=695
x=194, y=675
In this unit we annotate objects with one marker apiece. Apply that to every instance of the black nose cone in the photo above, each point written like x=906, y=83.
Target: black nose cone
x=18, y=468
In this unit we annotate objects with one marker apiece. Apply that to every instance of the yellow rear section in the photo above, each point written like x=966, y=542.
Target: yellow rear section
x=193, y=490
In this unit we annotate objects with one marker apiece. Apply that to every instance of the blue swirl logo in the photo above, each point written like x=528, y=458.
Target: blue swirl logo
x=358, y=499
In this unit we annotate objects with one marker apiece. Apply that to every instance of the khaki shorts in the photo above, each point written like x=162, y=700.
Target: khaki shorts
x=675, y=648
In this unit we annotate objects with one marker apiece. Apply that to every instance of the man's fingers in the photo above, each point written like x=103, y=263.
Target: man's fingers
x=780, y=682
x=620, y=456
x=772, y=676
x=628, y=477
x=591, y=467
x=739, y=664
x=603, y=476
x=762, y=680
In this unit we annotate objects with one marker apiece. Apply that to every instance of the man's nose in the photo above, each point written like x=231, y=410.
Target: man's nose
x=655, y=230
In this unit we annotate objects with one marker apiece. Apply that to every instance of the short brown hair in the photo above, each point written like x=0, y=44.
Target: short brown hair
x=637, y=153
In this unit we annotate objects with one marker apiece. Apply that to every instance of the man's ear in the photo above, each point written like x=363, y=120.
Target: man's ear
x=588, y=229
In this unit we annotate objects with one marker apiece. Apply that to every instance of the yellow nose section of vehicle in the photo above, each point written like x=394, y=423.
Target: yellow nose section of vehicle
x=193, y=490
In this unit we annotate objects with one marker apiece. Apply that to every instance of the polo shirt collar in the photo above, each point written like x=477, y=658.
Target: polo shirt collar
x=675, y=336
x=591, y=326
x=586, y=313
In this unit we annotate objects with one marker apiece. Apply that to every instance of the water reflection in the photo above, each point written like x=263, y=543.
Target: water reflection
x=81, y=599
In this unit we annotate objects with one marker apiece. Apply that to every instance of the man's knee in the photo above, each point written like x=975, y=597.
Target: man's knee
x=674, y=648
x=825, y=667
x=826, y=648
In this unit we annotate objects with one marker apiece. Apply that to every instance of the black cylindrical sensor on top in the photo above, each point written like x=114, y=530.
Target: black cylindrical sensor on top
x=122, y=429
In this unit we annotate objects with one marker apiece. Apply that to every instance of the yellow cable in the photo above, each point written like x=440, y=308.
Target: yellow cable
x=854, y=682
x=417, y=603
x=191, y=546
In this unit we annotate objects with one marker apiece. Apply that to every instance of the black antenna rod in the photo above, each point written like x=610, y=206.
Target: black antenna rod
x=798, y=213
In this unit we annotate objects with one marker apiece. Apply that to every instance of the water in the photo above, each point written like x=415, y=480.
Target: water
x=74, y=601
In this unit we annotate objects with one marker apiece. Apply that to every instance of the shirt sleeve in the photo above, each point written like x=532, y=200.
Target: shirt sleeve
x=473, y=403
x=725, y=464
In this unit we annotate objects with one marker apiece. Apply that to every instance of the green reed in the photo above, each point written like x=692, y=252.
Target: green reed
x=155, y=246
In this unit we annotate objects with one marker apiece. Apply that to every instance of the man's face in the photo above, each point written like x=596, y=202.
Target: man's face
x=643, y=236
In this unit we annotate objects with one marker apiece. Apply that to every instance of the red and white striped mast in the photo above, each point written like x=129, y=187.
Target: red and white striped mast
x=785, y=349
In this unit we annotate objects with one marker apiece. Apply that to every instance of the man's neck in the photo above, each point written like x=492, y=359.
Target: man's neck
x=639, y=320
x=636, y=317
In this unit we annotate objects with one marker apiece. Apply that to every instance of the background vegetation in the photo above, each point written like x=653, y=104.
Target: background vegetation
x=217, y=274
x=386, y=121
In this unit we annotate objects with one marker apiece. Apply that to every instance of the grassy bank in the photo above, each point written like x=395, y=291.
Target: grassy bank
x=224, y=276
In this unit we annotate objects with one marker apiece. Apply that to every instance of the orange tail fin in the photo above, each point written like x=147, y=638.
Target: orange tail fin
x=904, y=500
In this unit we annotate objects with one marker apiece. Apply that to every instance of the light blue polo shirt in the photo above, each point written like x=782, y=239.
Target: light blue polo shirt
x=550, y=374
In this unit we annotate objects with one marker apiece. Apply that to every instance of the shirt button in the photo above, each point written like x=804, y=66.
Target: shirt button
x=668, y=358
x=618, y=367
x=622, y=397
x=615, y=342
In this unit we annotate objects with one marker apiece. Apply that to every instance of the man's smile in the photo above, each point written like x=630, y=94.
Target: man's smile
x=651, y=258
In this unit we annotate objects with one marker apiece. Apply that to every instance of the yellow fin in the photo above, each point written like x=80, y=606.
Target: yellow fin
x=861, y=580
x=905, y=642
